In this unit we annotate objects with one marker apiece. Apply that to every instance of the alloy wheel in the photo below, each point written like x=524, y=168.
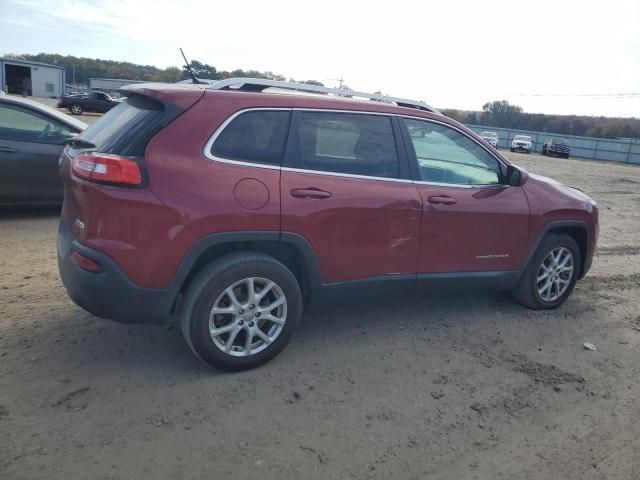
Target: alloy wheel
x=555, y=274
x=248, y=316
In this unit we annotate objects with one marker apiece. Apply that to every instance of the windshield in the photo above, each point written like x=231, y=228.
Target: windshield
x=522, y=137
x=559, y=141
x=488, y=134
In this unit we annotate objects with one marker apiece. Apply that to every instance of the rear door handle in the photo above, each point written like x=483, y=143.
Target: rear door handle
x=442, y=200
x=8, y=150
x=309, y=193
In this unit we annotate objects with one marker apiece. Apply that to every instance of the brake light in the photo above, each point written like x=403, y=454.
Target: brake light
x=104, y=167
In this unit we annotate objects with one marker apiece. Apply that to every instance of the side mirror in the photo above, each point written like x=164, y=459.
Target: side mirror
x=514, y=176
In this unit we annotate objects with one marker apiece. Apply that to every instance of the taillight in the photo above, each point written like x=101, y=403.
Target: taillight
x=104, y=167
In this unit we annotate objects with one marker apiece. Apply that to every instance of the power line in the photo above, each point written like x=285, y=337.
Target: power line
x=592, y=95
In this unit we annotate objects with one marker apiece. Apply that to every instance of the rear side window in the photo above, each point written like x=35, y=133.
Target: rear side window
x=257, y=136
x=354, y=144
x=127, y=128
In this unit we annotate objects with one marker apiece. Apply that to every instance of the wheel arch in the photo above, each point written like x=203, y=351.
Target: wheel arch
x=574, y=228
x=293, y=250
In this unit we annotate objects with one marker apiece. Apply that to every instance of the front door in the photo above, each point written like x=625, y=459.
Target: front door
x=345, y=188
x=472, y=221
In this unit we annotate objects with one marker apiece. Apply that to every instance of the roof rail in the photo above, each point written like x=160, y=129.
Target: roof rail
x=259, y=84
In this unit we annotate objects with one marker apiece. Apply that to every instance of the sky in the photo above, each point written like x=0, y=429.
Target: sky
x=555, y=57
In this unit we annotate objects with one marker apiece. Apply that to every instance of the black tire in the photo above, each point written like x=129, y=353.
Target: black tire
x=544, y=151
x=210, y=283
x=512, y=149
x=75, y=109
x=526, y=291
x=566, y=155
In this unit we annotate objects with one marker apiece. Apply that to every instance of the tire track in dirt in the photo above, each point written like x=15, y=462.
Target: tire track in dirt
x=619, y=250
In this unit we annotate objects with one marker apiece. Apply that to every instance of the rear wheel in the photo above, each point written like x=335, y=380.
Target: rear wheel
x=76, y=109
x=551, y=275
x=240, y=311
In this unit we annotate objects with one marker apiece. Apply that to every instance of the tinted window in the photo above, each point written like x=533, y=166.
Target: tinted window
x=257, y=136
x=447, y=156
x=24, y=125
x=127, y=128
x=355, y=144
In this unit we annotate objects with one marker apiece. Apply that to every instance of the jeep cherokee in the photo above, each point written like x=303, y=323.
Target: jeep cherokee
x=230, y=207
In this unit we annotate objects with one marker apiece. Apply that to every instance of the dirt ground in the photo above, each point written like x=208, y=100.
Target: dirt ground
x=468, y=386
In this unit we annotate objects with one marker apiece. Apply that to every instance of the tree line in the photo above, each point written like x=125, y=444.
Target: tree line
x=501, y=113
x=498, y=113
x=81, y=69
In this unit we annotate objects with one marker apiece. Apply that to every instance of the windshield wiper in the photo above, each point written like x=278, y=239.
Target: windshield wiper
x=78, y=142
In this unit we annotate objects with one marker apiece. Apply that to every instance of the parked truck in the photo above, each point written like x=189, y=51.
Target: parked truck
x=91, y=102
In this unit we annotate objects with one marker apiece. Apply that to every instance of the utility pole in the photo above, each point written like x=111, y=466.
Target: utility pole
x=340, y=80
x=73, y=83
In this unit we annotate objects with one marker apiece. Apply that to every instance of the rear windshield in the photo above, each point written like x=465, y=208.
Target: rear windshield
x=127, y=128
x=522, y=137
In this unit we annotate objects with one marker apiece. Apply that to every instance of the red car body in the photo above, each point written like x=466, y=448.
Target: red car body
x=337, y=233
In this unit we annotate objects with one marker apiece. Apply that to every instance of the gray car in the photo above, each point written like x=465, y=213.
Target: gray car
x=32, y=137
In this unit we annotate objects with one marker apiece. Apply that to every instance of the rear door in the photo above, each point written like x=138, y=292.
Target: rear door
x=345, y=188
x=472, y=221
x=30, y=146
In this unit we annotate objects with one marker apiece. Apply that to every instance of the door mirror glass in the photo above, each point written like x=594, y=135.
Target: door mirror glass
x=514, y=176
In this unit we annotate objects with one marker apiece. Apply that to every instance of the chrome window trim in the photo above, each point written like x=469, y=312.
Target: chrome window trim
x=346, y=175
x=207, y=148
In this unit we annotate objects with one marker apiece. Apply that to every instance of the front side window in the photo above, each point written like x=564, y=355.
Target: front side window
x=447, y=156
x=255, y=136
x=21, y=125
x=347, y=143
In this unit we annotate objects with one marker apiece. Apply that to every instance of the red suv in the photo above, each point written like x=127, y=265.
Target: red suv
x=228, y=209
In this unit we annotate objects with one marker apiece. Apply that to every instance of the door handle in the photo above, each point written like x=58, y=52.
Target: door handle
x=442, y=200
x=309, y=193
x=8, y=150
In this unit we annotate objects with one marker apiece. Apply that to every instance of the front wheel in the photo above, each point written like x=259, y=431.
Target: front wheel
x=240, y=311
x=551, y=274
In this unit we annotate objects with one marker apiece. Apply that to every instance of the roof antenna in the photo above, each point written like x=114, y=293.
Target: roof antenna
x=195, y=79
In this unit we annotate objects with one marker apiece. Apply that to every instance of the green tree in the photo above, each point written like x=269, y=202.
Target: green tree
x=500, y=113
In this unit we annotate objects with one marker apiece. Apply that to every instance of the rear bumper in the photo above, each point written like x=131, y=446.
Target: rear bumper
x=110, y=293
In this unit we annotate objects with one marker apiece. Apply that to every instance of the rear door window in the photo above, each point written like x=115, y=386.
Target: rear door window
x=256, y=136
x=127, y=128
x=346, y=143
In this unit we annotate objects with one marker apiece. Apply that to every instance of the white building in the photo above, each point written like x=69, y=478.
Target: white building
x=31, y=78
